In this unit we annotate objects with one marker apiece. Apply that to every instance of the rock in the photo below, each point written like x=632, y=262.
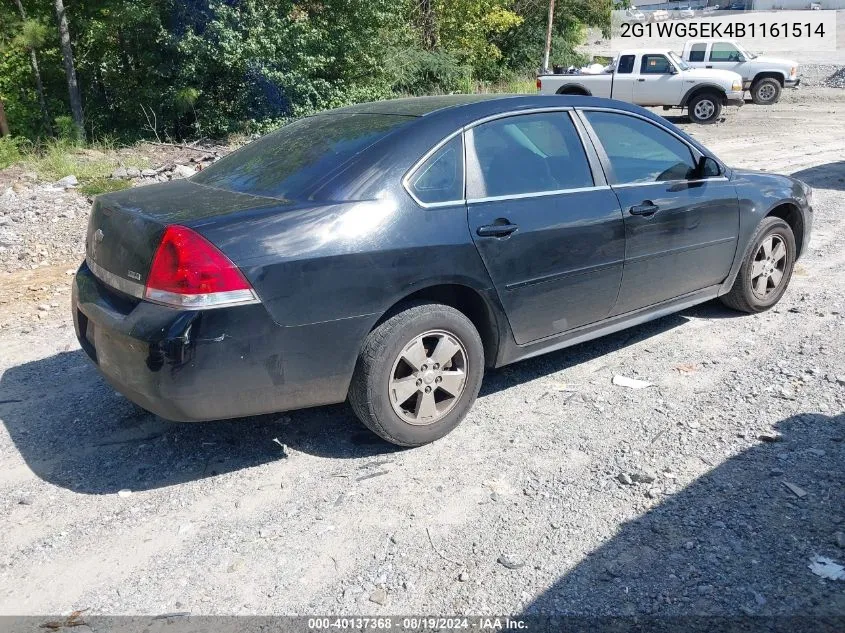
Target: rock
x=27, y=501
x=786, y=393
x=838, y=538
x=509, y=563
x=625, y=478
x=124, y=493
x=652, y=493
x=133, y=172
x=120, y=173
x=68, y=182
x=463, y=576
x=43, y=308
x=379, y=596
x=769, y=437
x=183, y=171
x=643, y=477
x=840, y=380
x=694, y=424
x=149, y=173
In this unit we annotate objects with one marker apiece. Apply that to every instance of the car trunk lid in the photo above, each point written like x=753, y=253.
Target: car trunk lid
x=125, y=228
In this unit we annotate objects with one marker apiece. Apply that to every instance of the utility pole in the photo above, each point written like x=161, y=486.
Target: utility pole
x=549, y=36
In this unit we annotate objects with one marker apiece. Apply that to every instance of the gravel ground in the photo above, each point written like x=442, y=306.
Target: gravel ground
x=560, y=493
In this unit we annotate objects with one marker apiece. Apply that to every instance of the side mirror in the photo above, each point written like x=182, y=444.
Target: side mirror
x=673, y=70
x=706, y=167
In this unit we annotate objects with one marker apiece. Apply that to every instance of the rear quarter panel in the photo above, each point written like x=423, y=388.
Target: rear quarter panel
x=350, y=259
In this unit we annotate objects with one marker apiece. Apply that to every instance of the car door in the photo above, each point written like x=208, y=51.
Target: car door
x=725, y=56
x=550, y=234
x=658, y=82
x=624, y=79
x=681, y=227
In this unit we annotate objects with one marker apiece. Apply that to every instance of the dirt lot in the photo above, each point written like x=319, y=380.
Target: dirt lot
x=522, y=509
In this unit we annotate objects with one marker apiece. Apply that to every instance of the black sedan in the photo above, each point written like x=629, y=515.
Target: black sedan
x=388, y=252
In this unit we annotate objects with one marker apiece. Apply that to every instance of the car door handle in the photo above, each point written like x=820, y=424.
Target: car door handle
x=641, y=79
x=496, y=230
x=647, y=208
x=709, y=66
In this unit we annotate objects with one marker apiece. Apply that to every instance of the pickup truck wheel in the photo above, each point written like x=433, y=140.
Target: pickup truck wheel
x=418, y=374
x=704, y=107
x=766, y=91
x=766, y=270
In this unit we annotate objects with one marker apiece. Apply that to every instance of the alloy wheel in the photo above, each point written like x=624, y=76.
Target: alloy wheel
x=428, y=377
x=768, y=267
x=704, y=109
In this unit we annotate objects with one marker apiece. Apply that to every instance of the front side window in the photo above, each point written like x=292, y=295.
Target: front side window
x=655, y=65
x=696, y=52
x=441, y=177
x=524, y=154
x=724, y=52
x=640, y=151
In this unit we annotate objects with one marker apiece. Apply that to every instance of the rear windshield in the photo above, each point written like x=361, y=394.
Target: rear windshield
x=293, y=161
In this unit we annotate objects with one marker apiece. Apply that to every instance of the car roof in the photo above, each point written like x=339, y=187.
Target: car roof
x=465, y=108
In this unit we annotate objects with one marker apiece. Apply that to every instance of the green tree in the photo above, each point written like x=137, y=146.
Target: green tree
x=32, y=36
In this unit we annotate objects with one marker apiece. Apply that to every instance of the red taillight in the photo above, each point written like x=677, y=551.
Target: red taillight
x=539, y=83
x=188, y=271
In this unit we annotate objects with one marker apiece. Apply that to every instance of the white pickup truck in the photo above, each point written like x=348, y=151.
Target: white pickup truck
x=654, y=77
x=764, y=76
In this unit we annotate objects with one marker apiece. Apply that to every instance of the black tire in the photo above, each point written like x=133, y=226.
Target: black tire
x=369, y=392
x=770, y=89
x=715, y=110
x=742, y=296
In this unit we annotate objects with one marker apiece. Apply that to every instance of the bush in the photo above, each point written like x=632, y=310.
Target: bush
x=416, y=72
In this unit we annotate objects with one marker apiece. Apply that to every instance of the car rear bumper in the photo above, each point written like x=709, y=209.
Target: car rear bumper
x=212, y=364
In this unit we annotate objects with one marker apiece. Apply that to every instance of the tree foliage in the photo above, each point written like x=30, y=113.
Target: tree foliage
x=206, y=68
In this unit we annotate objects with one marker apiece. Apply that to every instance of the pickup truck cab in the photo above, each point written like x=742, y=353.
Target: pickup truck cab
x=765, y=77
x=654, y=77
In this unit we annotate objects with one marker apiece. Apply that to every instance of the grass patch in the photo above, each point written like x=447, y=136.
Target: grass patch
x=10, y=151
x=58, y=159
x=97, y=186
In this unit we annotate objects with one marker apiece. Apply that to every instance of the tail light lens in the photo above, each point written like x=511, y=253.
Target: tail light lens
x=188, y=271
x=539, y=83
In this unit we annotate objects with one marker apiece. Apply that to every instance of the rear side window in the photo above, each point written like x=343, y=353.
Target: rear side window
x=626, y=65
x=524, y=154
x=696, y=52
x=292, y=162
x=655, y=65
x=441, y=177
x=724, y=52
x=640, y=151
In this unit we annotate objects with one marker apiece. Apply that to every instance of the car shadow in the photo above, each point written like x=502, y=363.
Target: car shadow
x=827, y=176
x=735, y=542
x=74, y=431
